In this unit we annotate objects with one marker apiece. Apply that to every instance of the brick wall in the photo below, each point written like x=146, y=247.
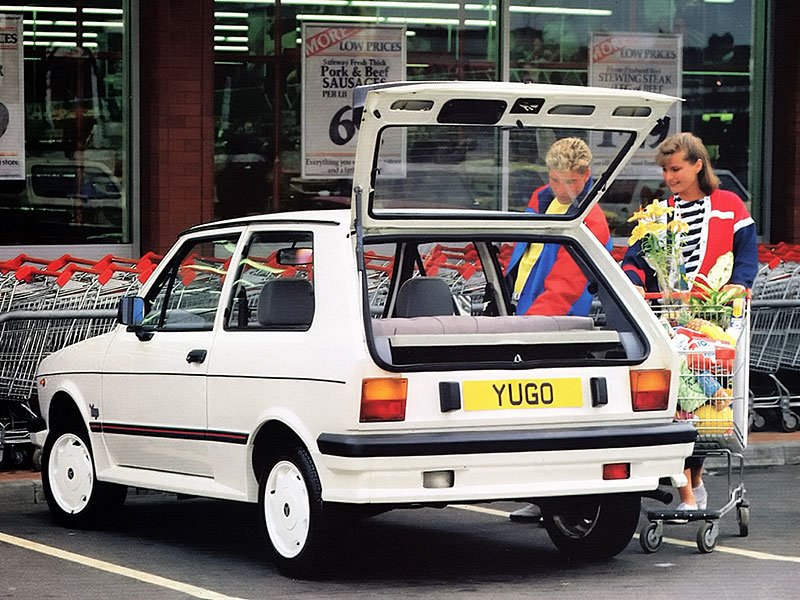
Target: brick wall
x=177, y=118
x=785, y=199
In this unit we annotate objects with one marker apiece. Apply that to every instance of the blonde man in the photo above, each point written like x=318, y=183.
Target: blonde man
x=546, y=279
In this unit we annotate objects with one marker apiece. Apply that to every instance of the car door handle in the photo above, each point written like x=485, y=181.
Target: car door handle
x=196, y=356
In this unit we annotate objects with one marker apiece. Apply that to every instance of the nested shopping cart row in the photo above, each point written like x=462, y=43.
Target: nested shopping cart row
x=775, y=332
x=33, y=289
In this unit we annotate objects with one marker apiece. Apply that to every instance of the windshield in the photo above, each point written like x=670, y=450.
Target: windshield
x=424, y=168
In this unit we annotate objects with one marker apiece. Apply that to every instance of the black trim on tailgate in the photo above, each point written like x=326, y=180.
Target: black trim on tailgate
x=488, y=442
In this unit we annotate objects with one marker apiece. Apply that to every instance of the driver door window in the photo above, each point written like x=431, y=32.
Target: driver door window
x=187, y=296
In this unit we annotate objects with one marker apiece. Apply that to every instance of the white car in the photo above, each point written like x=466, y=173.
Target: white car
x=354, y=361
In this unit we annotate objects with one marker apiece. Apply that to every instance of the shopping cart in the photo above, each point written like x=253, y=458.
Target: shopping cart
x=713, y=348
x=775, y=340
x=46, y=305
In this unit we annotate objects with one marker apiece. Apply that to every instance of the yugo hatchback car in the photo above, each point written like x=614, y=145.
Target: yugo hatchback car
x=346, y=362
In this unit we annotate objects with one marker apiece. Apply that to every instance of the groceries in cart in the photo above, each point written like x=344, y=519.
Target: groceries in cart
x=707, y=351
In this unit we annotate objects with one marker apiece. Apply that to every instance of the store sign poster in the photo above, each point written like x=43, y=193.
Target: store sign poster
x=12, y=99
x=336, y=59
x=637, y=61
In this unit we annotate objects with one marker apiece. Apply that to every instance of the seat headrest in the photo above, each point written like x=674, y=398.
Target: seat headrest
x=424, y=297
x=286, y=302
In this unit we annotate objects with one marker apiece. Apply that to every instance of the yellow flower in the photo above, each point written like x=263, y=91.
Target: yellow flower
x=678, y=226
x=656, y=209
x=637, y=216
x=651, y=212
x=637, y=234
x=655, y=227
x=644, y=229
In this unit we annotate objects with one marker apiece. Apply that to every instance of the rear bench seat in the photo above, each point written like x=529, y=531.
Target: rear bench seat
x=452, y=324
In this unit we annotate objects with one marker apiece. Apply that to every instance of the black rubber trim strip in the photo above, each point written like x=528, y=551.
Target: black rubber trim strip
x=490, y=442
x=229, y=437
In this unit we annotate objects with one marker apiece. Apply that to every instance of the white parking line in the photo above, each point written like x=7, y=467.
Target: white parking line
x=675, y=542
x=737, y=551
x=102, y=565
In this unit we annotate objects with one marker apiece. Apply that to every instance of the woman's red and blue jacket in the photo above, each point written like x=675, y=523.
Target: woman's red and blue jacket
x=729, y=228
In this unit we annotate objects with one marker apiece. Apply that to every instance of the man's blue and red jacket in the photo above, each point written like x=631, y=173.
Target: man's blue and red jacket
x=556, y=285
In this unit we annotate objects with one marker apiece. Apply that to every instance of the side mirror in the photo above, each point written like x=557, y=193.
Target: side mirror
x=131, y=311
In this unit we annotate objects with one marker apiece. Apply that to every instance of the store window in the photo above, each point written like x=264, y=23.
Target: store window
x=75, y=186
x=255, y=85
x=259, y=91
x=553, y=45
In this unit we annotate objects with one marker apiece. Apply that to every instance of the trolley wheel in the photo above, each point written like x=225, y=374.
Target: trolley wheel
x=650, y=538
x=790, y=421
x=707, y=537
x=743, y=517
x=757, y=421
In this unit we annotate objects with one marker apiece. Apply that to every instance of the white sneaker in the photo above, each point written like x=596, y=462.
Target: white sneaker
x=701, y=496
x=527, y=514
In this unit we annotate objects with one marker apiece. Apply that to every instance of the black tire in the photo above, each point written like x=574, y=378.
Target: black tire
x=650, y=538
x=73, y=494
x=297, y=524
x=790, y=422
x=743, y=517
x=707, y=537
x=757, y=421
x=592, y=527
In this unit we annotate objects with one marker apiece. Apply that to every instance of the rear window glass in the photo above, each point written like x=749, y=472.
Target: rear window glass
x=453, y=302
x=476, y=167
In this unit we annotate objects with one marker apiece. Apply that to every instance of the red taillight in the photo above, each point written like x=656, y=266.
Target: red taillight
x=650, y=390
x=617, y=471
x=383, y=399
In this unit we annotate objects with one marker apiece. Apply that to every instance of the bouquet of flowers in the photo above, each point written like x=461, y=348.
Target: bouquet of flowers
x=661, y=244
x=662, y=247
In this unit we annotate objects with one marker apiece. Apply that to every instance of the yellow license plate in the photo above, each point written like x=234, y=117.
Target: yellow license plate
x=523, y=393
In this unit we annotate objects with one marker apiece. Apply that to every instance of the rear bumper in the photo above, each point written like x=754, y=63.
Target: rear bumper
x=485, y=442
x=503, y=465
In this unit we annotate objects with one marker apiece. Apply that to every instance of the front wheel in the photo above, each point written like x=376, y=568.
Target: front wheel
x=73, y=494
x=592, y=527
x=297, y=524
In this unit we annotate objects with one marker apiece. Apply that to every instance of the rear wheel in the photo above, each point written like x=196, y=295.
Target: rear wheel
x=592, y=527
x=73, y=494
x=297, y=524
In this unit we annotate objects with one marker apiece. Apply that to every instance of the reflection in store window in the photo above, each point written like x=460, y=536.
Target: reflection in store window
x=74, y=192
x=548, y=43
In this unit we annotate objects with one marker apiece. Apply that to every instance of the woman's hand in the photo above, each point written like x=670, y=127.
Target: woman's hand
x=734, y=287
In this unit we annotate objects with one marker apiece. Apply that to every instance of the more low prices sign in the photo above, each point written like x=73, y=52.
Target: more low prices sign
x=336, y=59
x=12, y=99
x=638, y=61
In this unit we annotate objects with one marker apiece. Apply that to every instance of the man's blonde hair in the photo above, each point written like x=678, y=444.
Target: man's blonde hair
x=569, y=154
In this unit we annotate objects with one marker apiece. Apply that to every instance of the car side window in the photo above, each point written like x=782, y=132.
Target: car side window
x=187, y=295
x=274, y=283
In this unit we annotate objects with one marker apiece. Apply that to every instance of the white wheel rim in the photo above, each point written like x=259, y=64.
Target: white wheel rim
x=70, y=473
x=287, y=509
